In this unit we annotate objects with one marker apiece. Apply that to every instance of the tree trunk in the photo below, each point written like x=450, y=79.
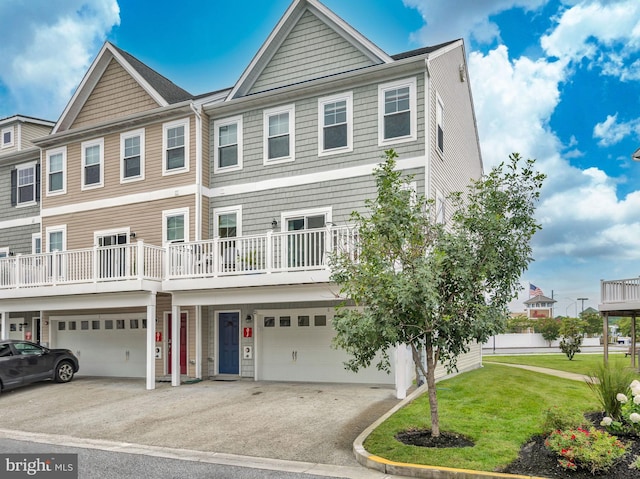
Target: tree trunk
x=431, y=384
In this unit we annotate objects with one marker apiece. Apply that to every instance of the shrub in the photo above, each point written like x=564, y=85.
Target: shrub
x=629, y=419
x=571, y=331
x=589, y=449
x=606, y=382
x=559, y=418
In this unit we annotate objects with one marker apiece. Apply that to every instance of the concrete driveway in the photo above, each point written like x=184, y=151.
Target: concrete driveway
x=309, y=422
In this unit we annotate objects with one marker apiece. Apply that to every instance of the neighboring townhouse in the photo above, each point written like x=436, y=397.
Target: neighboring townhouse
x=20, y=205
x=211, y=218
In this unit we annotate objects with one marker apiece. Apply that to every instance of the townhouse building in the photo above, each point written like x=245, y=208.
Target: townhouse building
x=188, y=235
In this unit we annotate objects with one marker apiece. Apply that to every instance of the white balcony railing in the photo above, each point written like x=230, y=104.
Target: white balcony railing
x=620, y=290
x=98, y=264
x=290, y=251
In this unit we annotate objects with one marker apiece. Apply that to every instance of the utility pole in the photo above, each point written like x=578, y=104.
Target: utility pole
x=583, y=300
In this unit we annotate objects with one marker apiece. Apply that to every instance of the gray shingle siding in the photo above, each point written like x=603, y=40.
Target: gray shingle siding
x=18, y=238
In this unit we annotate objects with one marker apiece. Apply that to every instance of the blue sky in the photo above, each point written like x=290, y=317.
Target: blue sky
x=555, y=80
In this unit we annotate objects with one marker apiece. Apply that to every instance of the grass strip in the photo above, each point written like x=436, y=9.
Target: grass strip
x=580, y=364
x=497, y=407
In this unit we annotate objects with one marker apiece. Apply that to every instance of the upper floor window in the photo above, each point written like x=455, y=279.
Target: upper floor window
x=439, y=124
x=279, y=134
x=6, y=137
x=132, y=156
x=92, y=163
x=56, y=167
x=25, y=185
x=397, y=106
x=335, y=120
x=228, y=144
x=175, y=142
x=176, y=225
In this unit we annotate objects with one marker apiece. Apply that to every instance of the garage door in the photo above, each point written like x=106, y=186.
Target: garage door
x=105, y=346
x=296, y=346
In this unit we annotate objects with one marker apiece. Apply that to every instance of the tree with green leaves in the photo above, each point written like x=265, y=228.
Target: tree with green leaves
x=519, y=323
x=437, y=288
x=549, y=328
x=591, y=322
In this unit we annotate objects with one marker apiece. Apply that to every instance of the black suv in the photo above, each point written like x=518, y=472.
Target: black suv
x=24, y=362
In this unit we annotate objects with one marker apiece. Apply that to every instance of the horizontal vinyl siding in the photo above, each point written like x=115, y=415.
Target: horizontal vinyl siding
x=461, y=161
x=18, y=239
x=311, y=50
x=365, y=140
x=8, y=212
x=154, y=180
x=29, y=132
x=116, y=94
x=145, y=219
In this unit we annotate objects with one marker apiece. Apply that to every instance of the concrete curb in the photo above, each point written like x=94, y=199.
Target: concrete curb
x=385, y=466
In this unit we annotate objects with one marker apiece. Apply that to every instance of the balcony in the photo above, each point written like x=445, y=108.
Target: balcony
x=620, y=296
x=294, y=257
x=291, y=257
x=128, y=267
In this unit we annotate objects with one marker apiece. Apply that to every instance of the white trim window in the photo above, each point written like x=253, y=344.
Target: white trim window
x=335, y=124
x=4, y=252
x=26, y=182
x=279, y=134
x=92, y=164
x=132, y=156
x=56, y=238
x=56, y=171
x=227, y=144
x=306, y=238
x=7, y=139
x=439, y=125
x=397, y=112
x=227, y=222
x=175, y=147
x=36, y=243
x=175, y=226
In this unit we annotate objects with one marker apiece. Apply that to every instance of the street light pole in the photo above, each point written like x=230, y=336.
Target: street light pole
x=583, y=300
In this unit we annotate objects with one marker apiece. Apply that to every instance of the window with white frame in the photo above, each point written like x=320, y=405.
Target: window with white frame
x=397, y=107
x=228, y=225
x=56, y=171
x=56, y=238
x=92, y=163
x=306, y=238
x=6, y=137
x=24, y=185
x=175, y=225
x=228, y=144
x=132, y=156
x=335, y=120
x=4, y=252
x=279, y=134
x=175, y=144
x=36, y=243
x=439, y=124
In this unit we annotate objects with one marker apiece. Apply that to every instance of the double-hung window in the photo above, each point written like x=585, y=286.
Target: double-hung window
x=132, y=156
x=439, y=124
x=176, y=225
x=175, y=141
x=6, y=137
x=228, y=144
x=228, y=226
x=92, y=163
x=279, y=134
x=397, y=106
x=335, y=120
x=26, y=185
x=56, y=167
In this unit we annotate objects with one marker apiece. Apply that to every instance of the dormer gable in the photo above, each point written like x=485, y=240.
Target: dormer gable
x=117, y=84
x=18, y=131
x=309, y=42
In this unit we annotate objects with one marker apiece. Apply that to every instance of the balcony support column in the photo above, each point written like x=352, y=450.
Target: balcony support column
x=605, y=337
x=151, y=343
x=175, y=345
x=199, y=342
x=4, y=333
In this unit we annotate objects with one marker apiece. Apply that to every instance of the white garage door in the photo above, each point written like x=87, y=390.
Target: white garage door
x=296, y=346
x=105, y=346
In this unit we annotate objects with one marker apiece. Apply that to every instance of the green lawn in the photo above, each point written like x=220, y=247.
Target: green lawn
x=580, y=364
x=498, y=407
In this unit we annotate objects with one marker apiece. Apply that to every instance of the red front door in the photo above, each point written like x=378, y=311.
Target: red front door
x=183, y=342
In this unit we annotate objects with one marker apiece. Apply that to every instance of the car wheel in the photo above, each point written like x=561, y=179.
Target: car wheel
x=64, y=372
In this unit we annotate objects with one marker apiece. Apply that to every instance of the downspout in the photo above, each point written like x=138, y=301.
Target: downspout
x=198, y=203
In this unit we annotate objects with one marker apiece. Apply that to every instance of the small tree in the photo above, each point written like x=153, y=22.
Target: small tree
x=518, y=323
x=571, y=331
x=549, y=328
x=435, y=288
x=591, y=322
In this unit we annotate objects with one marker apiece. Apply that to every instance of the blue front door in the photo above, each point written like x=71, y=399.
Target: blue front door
x=229, y=332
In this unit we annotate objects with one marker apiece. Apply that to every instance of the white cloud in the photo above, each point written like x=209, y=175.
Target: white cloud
x=445, y=20
x=611, y=131
x=52, y=43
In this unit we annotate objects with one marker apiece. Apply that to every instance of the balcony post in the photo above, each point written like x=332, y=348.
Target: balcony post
x=18, y=269
x=140, y=260
x=167, y=262
x=54, y=261
x=96, y=263
x=269, y=252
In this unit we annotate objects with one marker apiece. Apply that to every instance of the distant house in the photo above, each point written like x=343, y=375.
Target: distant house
x=539, y=307
x=188, y=235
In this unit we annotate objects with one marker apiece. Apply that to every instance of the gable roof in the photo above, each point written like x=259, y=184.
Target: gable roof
x=162, y=90
x=286, y=24
x=540, y=299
